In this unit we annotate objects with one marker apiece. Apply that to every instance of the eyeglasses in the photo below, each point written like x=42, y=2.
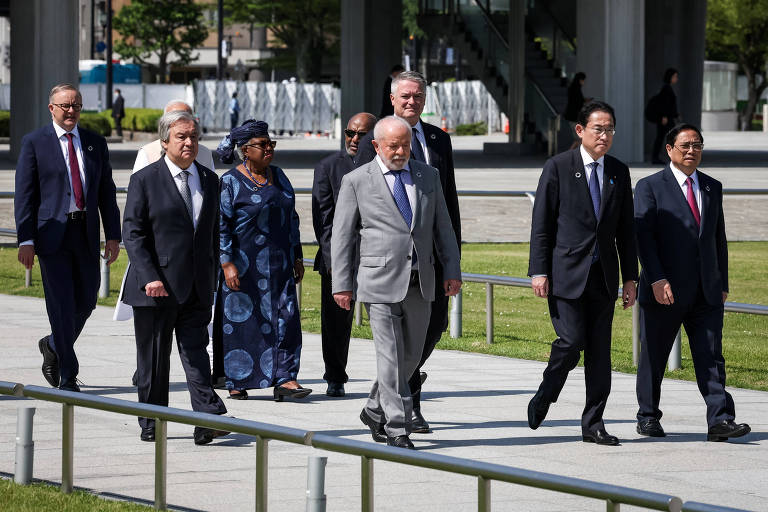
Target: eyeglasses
x=351, y=134
x=263, y=147
x=600, y=130
x=696, y=146
x=77, y=107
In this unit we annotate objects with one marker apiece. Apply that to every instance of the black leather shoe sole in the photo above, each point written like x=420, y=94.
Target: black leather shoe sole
x=377, y=430
x=50, y=366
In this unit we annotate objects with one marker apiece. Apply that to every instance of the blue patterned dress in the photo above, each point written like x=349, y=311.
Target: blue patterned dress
x=260, y=323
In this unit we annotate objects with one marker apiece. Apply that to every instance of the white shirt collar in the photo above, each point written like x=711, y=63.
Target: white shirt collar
x=385, y=170
x=680, y=176
x=60, y=132
x=175, y=169
x=587, y=158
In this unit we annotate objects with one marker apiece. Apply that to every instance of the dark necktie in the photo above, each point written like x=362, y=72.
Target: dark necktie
x=692, y=202
x=401, y=198
x=186, y=195
x=594, y=192
x=417, y=153
x=74, y=172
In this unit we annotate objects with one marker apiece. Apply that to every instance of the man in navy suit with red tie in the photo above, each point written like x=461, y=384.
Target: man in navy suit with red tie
x=684, y=256
x=63, y=182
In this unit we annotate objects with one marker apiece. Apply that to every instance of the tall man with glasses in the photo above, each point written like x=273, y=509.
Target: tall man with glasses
x=63, y=182
x=581, y=218
x=336, y=323
x=684, y=255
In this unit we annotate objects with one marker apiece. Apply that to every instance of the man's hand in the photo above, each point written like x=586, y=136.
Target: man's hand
x=298, y=270
x=111, y=250
x=540, y=286
x=231, y=276
x=27, y=256
x=662, y=292
x=155, y=289
x=451, y=287
x=725, y=296
x=629, y=294
x=343, y=299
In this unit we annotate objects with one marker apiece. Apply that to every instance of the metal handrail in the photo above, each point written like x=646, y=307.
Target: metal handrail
x=613, y=495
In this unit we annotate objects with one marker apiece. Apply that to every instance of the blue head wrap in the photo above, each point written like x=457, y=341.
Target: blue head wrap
x=240, y=135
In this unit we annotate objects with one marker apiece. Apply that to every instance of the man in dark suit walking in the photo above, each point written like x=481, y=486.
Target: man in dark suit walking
x=581, y=218
x=118, y=112
x=336, y=323
x=63, y=182
x=684, y=255
x=431, y=145
x=171, y=235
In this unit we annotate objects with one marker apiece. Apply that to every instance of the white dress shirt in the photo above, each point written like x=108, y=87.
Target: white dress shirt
x=410, y=188
x=681, y=178
x=422, y=140
x=193, y=181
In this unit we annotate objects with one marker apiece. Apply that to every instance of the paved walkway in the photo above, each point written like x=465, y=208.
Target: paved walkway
x=476, y=404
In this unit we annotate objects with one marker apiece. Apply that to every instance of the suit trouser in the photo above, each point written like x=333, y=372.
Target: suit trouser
x=438, y=323
x=71, y=284
x=398, y=335
x=582, y=324
x=336, y=328
x=703, y=324
x=154, y=328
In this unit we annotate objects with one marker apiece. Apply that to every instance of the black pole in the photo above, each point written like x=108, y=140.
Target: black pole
x=93, y=35
x=109, y=53
x=219, y=56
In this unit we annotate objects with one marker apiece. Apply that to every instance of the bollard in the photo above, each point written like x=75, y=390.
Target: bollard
x=765, y=117
x=456, y=306
x=674, y=355
x=488, y=313
x=25, y=446
x=358, y=314
x=316, y=484
x=104, y=286
x=27, y=278
x=635, y=333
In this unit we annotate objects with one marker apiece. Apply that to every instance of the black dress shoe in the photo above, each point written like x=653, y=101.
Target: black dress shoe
x=50, y=362
x=335, y=389
x=377, y=429
x=537, y=411
x=147, y=434
x=650, y=427
x=205, y=435
x=726, y=429
x=600, y=436
x=281, y=392
x=418, y=424
x=69, y=385
x=422, y=376
x=400, y=442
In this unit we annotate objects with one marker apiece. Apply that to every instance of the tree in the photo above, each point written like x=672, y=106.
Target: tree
x=736, y=31
x=308, y=31
x=164, y=28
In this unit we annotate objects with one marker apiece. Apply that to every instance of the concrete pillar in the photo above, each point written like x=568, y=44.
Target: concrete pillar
x=44, y=52
x=516, y=94
x=611, y=51
x=675, y=38
x=371, y=33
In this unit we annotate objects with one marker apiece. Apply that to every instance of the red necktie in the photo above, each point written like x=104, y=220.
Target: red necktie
x=692, y=202
x=74, y=171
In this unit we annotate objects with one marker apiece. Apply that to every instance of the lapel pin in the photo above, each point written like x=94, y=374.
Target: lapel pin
x=90, y=148
x=610, y=181
x=418, y=175
x=578, y=175
x=706, y=188
x=432, y=136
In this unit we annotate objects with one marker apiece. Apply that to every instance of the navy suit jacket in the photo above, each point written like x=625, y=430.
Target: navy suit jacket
x=161, y=241
x=672, y=247
x=564, y=227
x=43, y=191
x=325, y=191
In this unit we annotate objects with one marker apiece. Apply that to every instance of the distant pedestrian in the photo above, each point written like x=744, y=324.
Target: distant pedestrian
x=234, y=111
x=576, y=100
x=118, y=112
x=662, y=110
x=386, y=103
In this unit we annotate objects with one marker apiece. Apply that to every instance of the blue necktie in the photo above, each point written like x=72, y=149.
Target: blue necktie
x=416, y=151
x=594, y=192
x=401, y=198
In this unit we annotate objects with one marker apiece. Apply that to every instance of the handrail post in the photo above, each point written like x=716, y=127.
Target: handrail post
x=366, y=484
x=67, y=446
x=675, y=356
x=262, y=475
x=161, y=463
x=456, y=314
x=358, y=313
x=483, y=494
x=635, y=334
x=25, y=446
x=611, y=506
x=488, y=313
x=27, y=278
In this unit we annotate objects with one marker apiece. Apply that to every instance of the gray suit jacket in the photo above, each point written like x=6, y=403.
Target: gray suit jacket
x=366, y=210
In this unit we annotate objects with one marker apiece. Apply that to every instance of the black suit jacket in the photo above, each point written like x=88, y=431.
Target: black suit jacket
x=325, y=191
x=43, y=192
x=440, y=157
x=670, y=244
x=118, y=110
x=564, y=228
x=161, y=241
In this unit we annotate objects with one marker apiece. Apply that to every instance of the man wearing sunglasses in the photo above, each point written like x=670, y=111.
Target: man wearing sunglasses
x=336, y=323
x=63, y=182
x=684, y=255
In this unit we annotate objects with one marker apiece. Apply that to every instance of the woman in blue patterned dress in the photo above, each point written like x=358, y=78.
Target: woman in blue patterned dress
x=261, y=260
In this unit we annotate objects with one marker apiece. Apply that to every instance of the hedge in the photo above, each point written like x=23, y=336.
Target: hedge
x=137, y=119
x=5, y=123
x=89, y=120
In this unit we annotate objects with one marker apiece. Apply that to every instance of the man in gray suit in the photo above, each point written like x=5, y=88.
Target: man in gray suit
x=389, y=214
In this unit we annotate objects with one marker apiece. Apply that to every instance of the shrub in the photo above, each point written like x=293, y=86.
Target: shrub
x=137, y=119
x=96, y=122
x=479, y=128
x=5, y=123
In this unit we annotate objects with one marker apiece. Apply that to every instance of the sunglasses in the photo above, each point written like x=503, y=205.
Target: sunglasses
x=351, y=134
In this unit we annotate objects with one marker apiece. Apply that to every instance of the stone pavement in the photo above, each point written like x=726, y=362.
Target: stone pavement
x=475, y=403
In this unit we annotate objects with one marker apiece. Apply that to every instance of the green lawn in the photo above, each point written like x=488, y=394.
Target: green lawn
x=38, y=496
x=522, y=327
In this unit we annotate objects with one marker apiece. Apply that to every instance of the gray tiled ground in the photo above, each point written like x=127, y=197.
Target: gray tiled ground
x=476, y=404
